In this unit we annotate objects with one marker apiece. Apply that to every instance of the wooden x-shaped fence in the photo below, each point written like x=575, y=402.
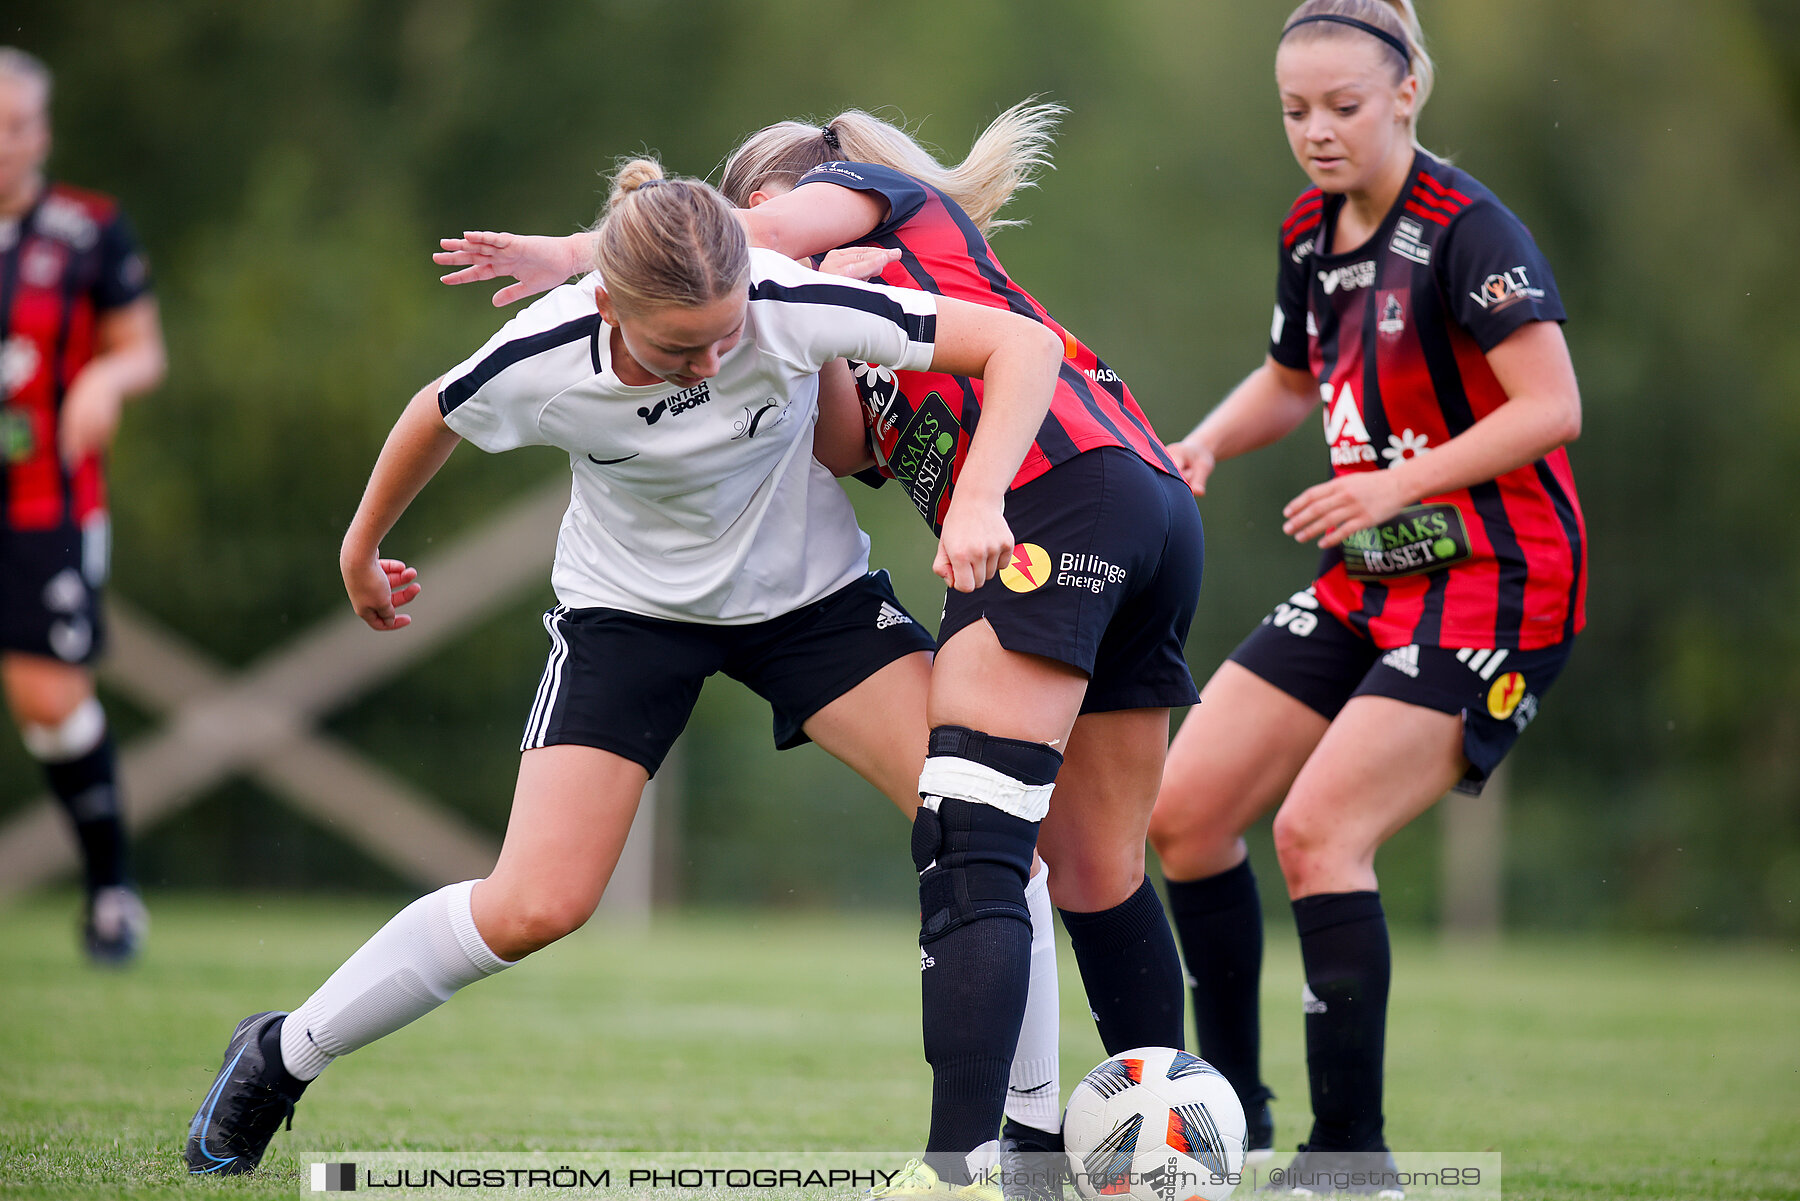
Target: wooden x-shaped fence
x=262, y=722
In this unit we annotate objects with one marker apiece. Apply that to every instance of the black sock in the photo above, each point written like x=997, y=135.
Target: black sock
x=1219, y=922
x=1131, y=972
x=270, y=1044
x=973, y=982
x=89, y=792
x=1344, y=945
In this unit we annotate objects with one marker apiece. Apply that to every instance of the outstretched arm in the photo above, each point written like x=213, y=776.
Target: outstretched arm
x=537, y=263
x=800, y=224
x=416, y=448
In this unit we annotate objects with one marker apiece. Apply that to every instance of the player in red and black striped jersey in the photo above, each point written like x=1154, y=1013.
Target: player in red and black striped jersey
x=1061, y=670
x=1416, y=314
x=1396, y=331
x=1074, y=646
x=78, y=335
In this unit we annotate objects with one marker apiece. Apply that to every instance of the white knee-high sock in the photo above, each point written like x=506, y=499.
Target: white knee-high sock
x=1034, y=1092
x=411, y=966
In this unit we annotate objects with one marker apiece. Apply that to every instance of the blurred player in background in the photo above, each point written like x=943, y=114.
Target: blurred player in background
x=79, y=335
x=1058, y=674
x=1420, y=312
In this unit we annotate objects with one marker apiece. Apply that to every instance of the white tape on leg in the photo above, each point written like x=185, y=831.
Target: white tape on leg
x=967, y=780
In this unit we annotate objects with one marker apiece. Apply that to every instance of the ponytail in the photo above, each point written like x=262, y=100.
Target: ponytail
x=667, y=242
x=1008, y=156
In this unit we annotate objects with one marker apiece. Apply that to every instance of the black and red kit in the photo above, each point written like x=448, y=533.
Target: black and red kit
x=922, y=421
x=68, y=260
x=1396, y=332
x=1105, y=572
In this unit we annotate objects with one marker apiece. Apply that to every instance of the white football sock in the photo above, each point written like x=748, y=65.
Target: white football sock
x=413, y=964
x=1034, y=1092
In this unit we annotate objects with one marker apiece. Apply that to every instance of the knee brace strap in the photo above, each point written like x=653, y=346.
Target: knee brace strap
x=1029, y=762
x=1008, y=774
x=973, y=861
x=73, y=737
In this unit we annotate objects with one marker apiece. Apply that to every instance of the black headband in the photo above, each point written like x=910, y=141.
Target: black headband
x=1372, y=30
x=831, y=138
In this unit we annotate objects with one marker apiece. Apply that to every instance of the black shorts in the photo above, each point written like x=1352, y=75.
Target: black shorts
x=626, y=683
x=1105, y=578
x=1321, y=662
x=50, y=583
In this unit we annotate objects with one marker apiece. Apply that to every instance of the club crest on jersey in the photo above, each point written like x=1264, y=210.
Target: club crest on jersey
x=42, y=263
x=1345, y=432
x=1348, y=278
x=751, y=420
x=1500, y=292
x=674, y=406
x=1393, y=315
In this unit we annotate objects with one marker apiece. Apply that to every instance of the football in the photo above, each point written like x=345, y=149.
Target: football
x=1154, y=1124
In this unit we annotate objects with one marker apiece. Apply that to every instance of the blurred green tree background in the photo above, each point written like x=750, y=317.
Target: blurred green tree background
x=289, y=167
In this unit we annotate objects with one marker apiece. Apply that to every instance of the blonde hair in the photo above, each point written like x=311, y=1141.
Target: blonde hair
x=1008, y=156
x=667, y=242
x=1397, y=18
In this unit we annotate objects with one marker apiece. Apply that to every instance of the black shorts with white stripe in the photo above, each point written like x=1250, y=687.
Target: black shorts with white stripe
x=1321, y=662
x=626, y=683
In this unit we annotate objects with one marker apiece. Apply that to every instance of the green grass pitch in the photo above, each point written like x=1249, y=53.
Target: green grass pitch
x=1598, y=1069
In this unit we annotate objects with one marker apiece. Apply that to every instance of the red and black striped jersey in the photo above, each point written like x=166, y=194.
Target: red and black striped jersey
x=1396, y=332
x=920, y=422
x=70, y=258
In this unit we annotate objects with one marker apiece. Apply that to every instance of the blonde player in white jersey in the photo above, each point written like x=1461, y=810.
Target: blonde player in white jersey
x=701, y=536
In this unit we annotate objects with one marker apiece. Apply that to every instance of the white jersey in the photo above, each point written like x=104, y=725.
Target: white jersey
x=705, y=503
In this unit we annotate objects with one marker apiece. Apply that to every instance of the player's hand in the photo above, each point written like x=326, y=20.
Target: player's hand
x=377, y=588
x=537, y=263
x=859, y=262
x=975, y=544
x=1195, y=463
x=1334, y=510
x=90, y=416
